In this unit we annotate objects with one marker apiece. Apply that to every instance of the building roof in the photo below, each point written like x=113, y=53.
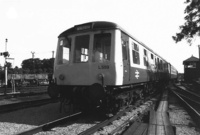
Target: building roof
x=191, y=59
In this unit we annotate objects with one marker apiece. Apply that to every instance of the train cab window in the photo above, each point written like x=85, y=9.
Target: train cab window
x=64, y=51
x=102, y=47
x=135, y=52
x=145, y=58
x=81, y=48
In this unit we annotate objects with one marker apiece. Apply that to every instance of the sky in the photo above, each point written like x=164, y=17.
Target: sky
x=32, y=26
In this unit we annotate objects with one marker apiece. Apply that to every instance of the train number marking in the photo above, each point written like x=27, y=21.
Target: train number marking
x=103, y=67
x=137, y=74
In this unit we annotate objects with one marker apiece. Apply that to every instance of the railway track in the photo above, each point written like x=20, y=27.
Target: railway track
x=191, y=101
x=26, y=104
x=122, y=120
x=116, y=124
x=48, y=126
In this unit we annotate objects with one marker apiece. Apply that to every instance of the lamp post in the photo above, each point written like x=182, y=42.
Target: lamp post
x=199, y=51
x=6, y=79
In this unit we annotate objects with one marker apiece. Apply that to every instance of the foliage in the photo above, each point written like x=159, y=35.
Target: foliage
x=36, y=65
x=191, y=27
x=29, y=66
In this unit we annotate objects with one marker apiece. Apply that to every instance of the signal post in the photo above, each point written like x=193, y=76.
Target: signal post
x=5, y=54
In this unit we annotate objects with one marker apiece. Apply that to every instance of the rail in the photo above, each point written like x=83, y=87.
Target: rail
x=25, y=104
x=50, y=125
x=139, y=111
x=191, y=102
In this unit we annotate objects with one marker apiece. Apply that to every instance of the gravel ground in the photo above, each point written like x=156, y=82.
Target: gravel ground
x=180, y=119
x=18, y=121
x=74, y=128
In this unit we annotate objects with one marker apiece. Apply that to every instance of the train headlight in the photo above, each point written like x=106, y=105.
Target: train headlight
x=61, y=77
x=100, y=76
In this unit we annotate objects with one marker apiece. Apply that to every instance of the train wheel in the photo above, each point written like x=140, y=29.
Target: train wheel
x=53, y=91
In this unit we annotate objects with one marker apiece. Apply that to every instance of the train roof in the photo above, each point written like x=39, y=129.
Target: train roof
x=100, y=25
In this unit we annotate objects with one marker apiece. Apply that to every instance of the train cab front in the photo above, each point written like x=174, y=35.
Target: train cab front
x=84, y=64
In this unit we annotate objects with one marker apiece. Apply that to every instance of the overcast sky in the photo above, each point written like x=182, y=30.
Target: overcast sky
x=34, y=25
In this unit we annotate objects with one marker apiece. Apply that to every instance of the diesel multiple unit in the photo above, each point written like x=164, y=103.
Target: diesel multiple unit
x=99, y=63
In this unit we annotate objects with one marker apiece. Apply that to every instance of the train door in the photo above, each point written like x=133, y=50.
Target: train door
x=126, y=58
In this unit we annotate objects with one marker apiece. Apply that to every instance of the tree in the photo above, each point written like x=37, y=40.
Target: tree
x=47, y=65
x=191, y=27
x=32, y=64
x=38, y=66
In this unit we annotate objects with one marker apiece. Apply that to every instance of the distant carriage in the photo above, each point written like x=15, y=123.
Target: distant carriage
x=29, y=79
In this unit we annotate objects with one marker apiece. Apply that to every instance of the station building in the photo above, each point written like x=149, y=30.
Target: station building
x=191, y=69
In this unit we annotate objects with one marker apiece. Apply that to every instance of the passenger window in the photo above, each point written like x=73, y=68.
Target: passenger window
x=151, y=56
x=158, y=63
x=161, y=65
x=145, y=58
x=135, y=52
x=81, y=48
x=102, y=47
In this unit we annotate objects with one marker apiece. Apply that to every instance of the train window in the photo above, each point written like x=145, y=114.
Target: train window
x=145, y=58
x=151, y=56
x=145, y=52
x=190, y=65
x=161, y=64
x=81, y=48
x=64, y=49
x=101, y=48
x=158, y=63
x=135, y=52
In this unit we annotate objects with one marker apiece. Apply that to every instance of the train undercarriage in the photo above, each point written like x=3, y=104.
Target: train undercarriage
x=109, y=98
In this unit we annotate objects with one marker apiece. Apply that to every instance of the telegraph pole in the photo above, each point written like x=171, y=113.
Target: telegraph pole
x=52, y=54
x=33, y=54
x=199, y=51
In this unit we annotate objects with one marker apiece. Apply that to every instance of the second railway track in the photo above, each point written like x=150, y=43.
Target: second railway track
x=8, y=107
x=191, y=101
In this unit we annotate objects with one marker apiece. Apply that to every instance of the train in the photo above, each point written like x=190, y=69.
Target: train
x=100, y=64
